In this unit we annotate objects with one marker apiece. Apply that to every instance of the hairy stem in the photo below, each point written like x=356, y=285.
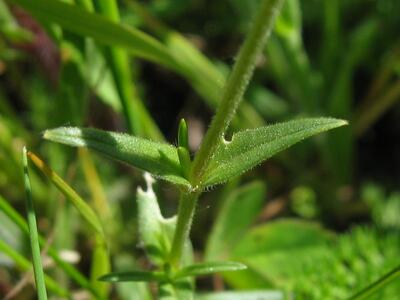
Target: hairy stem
x=187, y=205
x=231, y=97
x=236, y=85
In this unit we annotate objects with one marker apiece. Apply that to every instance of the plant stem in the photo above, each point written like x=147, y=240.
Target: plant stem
x=236, y=85
x=187, y=205
x=231, y=97
x=377, y=285
x=33, y=234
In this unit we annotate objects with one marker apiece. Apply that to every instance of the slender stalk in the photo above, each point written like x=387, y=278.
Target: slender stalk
x=187, y=205
x=236, y=85
x=377, y=285
x=33, y=234
x=231, y=97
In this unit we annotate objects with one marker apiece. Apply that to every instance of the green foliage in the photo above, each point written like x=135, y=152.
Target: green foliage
x=252, y=295
x=156, y=232
x=251, y=147
x=237, y=213
x=33, y=234
x=157, y=158
x=88, y=49
x=98, y=27
x=209, y=268
x=84, y=209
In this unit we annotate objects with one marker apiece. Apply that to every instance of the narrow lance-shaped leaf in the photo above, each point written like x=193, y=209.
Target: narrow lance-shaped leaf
x=249, y=148
x=136, y=275
x=84, y=209
x=100, y=28
x=208, y=268
x=33, y=234
x=69, y=269
x=159, y=159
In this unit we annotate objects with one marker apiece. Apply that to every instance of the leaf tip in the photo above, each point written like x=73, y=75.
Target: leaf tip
x=341, y=122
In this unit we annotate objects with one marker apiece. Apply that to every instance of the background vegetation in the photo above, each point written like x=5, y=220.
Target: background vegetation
x=320, y=220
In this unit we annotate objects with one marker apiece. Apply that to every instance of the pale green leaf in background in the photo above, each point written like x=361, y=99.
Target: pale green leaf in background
x=246, y=295
x=155, y=231
x=238, y=211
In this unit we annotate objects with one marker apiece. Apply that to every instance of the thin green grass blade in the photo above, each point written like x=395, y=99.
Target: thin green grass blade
x=249, y=148
x=25, y=265
x=101, y=29
x=159, y=159
x=84, y=209
x=208, y=268
x=377, y=285
x=138, y=119
x=70, y=270
x=33, y=234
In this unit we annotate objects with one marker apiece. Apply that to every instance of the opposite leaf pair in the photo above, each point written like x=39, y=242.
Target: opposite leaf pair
x=246, y=150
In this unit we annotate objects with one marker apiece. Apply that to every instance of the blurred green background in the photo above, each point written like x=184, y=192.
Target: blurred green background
x=321, y=220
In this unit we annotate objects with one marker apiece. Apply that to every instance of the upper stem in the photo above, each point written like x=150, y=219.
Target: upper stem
x=231, y=97
x=236, y=85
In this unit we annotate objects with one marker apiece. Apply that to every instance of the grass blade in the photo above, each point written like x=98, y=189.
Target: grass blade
x=101, y=29
x=70, y=270
x=377, y=285
x=84, y=209
x=137, y=117
x=33, y=234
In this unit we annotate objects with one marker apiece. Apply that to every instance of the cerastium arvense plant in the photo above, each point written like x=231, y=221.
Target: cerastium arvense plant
x=218, y=160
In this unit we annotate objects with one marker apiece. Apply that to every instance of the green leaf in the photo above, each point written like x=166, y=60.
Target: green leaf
x=249, y=148
x=248, y=295
x=136, y=275
x=239, y=210
x=157, y=158
x=156, y=232
x=209, y=268
x=33, y=234
x=84, y=209
x=273, y=249
x=100, y=28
